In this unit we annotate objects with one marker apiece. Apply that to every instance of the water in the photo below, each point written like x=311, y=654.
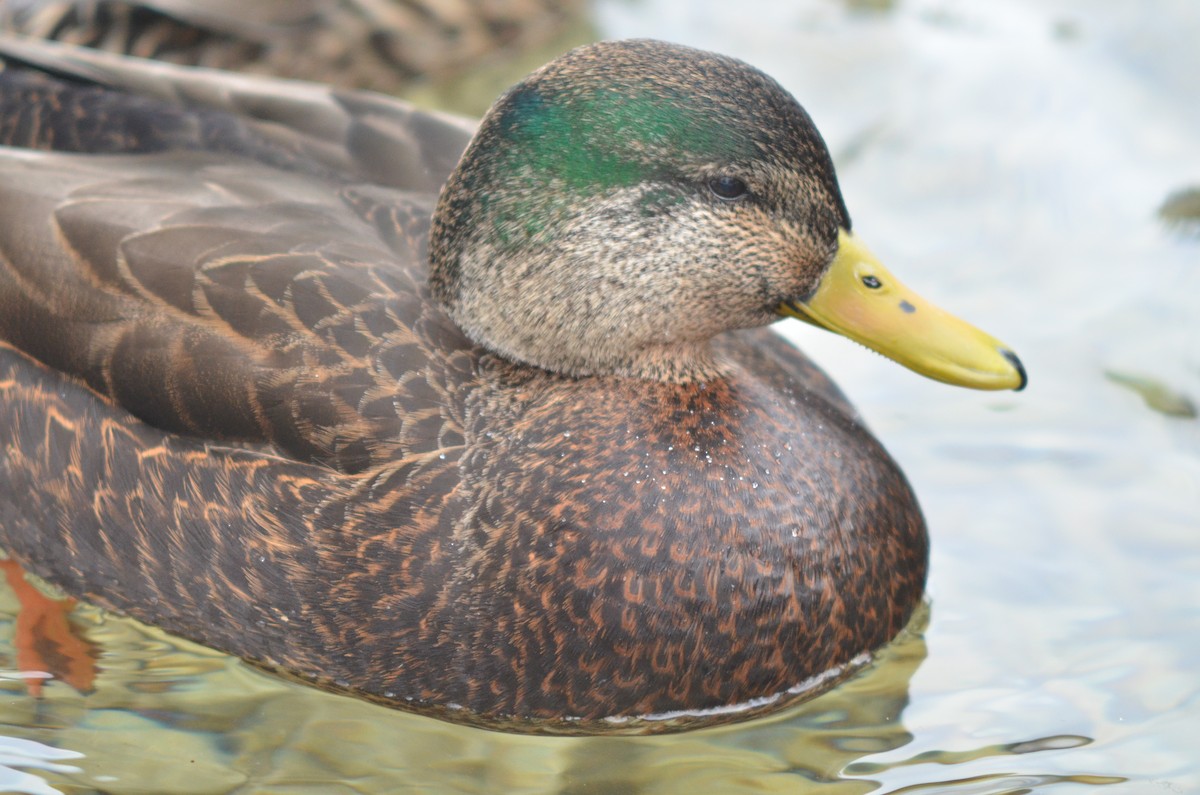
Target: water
x=1008, y=160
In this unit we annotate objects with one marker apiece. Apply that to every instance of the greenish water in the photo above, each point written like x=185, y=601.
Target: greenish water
x=1010, y=161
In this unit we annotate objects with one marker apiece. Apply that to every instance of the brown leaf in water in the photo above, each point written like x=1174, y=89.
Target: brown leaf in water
x=46, y=640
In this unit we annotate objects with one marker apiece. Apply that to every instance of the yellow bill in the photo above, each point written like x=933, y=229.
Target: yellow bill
x=859, y=299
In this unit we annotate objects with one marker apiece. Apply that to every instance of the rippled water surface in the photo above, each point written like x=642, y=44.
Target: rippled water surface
x=1009, y=160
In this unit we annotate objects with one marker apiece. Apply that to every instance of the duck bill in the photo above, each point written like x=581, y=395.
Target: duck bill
x=859, y=299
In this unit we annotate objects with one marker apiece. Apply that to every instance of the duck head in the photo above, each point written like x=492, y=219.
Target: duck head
x=631, y=200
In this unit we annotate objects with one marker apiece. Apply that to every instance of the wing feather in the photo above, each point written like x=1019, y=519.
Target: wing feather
x=209, y=276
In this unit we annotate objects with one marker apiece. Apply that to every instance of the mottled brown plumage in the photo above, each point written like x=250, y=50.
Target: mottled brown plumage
x=383, y=46
x=234, y=410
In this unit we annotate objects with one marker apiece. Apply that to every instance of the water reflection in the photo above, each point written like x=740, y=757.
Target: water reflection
x=18, y=757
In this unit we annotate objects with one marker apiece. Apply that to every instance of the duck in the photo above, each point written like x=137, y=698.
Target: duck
x=383, y=46
x=483, y=422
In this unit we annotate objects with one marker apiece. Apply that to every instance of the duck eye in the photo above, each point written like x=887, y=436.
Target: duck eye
x=727, y=187
x=872, y=282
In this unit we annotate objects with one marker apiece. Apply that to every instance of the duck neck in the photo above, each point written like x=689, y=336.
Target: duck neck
x=679, y=363
x=514, y=304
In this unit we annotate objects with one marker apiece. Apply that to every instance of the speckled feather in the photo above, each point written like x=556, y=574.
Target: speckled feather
x=235, y=412
x=383, y=46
